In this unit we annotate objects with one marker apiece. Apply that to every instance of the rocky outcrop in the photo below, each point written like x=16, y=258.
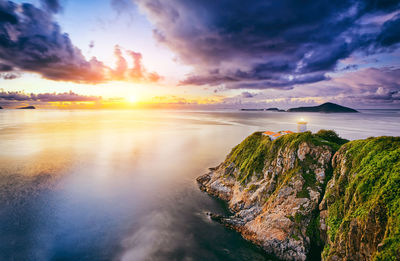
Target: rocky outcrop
x=290, y=194
x=360, y=212
x=327, y=107
x=274, y=189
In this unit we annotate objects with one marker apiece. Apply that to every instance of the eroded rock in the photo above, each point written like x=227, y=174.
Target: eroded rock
x=273, y=207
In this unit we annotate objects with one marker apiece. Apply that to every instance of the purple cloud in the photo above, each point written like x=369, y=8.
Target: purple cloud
x=31, y=41
x=5, y=67
x=46, y=97
x=247, y=95
x=53, y=6
x=137, y=73
x=269, y=44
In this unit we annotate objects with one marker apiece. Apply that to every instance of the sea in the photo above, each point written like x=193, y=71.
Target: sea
x=120, y=184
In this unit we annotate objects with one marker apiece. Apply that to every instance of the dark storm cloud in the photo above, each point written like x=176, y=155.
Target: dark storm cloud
x=31, y=41
x=53, y=6
x=46, y=97
x=7, y=13
x=5, y=67
x=350, y=67
x=275, y=43
x=390, y=34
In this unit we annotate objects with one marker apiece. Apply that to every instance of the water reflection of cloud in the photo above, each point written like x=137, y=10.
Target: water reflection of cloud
x=152, y=240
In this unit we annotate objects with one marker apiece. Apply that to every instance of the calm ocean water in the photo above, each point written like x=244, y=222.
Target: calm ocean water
x=120, y=185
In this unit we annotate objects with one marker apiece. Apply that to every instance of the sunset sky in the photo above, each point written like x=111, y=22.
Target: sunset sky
x=203, y=54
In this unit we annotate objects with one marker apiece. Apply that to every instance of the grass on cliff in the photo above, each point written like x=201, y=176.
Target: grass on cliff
x=369, y=192
x=250, y=156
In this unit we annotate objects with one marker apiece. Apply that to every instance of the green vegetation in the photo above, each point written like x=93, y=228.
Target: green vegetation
x=250, y=156
x=298, y=217
x=313, y=228
x=363, y=203
x=252, y=187
x=295, y=237
x=369, y=192
x=331, y=138
x=308, y=176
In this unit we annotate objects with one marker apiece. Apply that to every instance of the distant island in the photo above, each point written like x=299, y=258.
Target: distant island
x=327, y=107
x=27, y=108
x=257, y=109
x=274, y=109
x=252, y=109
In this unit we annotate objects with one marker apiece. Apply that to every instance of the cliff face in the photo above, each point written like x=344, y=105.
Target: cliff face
x=360, y=212
x=274, y=189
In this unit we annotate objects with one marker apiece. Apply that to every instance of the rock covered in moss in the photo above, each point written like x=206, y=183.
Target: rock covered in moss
x=360, y=212
x=274, y=188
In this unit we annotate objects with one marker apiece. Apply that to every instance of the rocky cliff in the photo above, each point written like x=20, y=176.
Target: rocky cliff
x=276, y=192
x=360, y=212
x=274, y=189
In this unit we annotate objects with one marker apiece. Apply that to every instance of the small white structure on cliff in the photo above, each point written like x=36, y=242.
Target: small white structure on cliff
x=301, y=126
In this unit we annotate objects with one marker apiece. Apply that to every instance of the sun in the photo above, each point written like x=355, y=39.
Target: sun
x=131, y=99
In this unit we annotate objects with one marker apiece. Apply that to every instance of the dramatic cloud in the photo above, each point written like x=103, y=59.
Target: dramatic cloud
x=5, y=68
x=30, y=40
x=366, y=88
x=137, y=73
x=369, y=86
x=121, y=66
x=271, y=44
x=46, y=97
x=390, y=34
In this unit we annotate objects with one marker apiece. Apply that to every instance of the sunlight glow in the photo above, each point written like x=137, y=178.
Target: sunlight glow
x=131, y=99
x=302, y=120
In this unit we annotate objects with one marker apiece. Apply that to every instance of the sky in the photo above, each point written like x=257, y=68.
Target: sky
x=199, y=54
